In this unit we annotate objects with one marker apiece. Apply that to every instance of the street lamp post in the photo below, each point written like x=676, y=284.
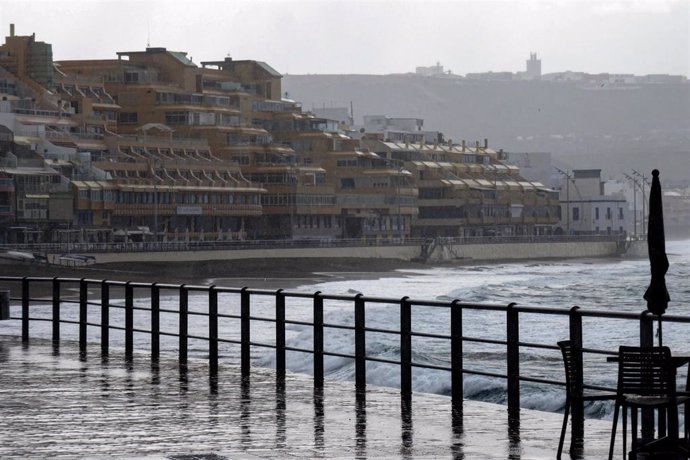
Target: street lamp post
x=156, y=165
x=568, y=176
x=634, y=181
x=643, y=180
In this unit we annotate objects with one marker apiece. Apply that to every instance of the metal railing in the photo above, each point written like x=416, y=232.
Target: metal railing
x=96, y=294
x=183, y=245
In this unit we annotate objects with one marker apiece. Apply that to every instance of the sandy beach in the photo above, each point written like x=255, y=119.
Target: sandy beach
x=252, y=273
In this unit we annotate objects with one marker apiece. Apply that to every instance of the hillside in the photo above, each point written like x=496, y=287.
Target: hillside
x=610, y=127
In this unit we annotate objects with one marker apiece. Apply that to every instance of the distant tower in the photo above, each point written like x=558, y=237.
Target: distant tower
x=533, y=71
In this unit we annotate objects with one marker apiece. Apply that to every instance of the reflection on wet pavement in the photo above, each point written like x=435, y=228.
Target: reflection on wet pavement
x=63, y=404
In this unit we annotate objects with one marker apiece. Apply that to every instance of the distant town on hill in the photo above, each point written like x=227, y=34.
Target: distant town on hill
x=604, y=120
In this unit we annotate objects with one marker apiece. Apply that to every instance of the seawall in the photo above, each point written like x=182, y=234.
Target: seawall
x=438, y=252
x=365, y=252
x=518, y=251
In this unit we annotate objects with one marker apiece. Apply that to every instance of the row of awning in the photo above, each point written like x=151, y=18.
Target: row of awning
x=471, y=167
x=149, y=187
x=484, y=184
x=438, y=147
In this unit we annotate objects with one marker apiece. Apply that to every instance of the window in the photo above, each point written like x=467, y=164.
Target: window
x=176, y=118
x=596, y=213
x=131, y=77
x=608, y=213
x=241, y=159
x=127, y=117
x=620, y=214
x=576, y=213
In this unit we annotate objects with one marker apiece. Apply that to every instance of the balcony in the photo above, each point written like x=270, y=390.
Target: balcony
x=40, y=113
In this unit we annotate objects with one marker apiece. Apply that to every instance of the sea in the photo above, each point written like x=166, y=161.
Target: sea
x=606, y=284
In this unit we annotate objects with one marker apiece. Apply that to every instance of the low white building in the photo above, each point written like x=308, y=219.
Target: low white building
x=397, y=129
x=586, y=209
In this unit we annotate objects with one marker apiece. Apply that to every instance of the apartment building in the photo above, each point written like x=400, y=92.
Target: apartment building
x=232, y=106
x=465, y=191
x=372, y=198
x=153, y=146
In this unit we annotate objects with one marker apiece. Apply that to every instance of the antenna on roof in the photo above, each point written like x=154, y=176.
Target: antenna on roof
x=148, y=35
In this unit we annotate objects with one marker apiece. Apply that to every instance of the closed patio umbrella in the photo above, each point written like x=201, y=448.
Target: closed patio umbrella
x=656, y=295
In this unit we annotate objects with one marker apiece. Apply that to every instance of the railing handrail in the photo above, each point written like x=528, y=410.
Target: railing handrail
x=214, y=244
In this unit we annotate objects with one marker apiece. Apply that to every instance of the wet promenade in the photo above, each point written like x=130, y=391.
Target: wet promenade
x=58, y=404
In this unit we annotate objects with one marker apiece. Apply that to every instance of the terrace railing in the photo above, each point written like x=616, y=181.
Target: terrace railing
x=95, y=295
x=213, y=244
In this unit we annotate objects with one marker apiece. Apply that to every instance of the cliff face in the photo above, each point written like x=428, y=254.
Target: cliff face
x=615, y=128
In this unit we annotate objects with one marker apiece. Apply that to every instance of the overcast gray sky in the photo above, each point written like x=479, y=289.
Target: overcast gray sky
x=373, y=36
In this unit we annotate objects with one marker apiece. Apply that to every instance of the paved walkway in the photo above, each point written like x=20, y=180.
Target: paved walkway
x=58, y=405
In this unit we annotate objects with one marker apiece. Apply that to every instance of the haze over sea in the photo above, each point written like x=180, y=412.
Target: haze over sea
x=614, y=284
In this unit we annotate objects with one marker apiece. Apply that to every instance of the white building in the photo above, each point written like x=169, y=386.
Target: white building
x=340, y=114
x=586, y=209
x=398, y=129
x=430, y=71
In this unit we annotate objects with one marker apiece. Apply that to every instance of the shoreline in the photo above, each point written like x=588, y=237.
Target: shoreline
x=275, y=273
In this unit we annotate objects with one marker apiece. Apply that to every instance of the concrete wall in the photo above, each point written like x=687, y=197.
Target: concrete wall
x=523, y=251
x=441, y=253
x=390, y=252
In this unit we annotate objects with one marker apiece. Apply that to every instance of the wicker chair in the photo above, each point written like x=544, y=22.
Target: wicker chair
x=574, y=390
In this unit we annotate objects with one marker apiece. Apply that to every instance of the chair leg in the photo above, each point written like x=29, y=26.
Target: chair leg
x=663, y=414
x=673, y=423
x=565, y=425
x=686, y=408
x=613, y=431
x=633, y=420
x=625, y=432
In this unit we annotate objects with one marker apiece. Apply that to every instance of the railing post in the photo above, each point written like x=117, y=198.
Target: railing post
x=245, y=332
x=56, y=311
x=318, y=339
x=647, y=340
x=405, y=347
x=129, y=321
x=646, y=329
x=83, y=313
x=155, y=322
x=25, y=309
x=513, y=355
x=280, y=333
x=456, y=358
x=213, y=330
x=577, y=432
x=360, y=344
x=105, y=317
x=183, y=325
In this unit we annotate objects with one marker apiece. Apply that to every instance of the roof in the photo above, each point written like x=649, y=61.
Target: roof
x=104, y=105
x=182, y=57
x=268, y=69
x=159, y=126
x=456, y=183
x=30, y=171
x=178, y=55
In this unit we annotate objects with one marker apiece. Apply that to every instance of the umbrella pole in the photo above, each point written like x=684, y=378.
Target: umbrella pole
x=659, y=332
